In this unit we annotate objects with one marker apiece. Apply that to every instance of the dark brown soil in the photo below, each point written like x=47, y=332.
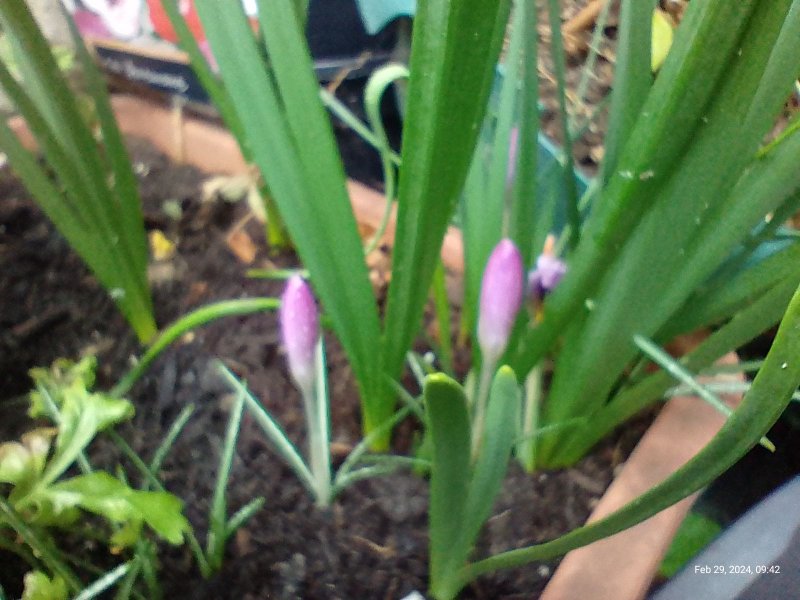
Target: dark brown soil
x=372, y=543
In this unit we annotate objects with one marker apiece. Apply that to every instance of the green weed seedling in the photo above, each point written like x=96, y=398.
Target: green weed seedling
x=40, y=495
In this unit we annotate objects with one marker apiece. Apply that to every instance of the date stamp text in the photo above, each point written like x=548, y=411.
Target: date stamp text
x=737, y=569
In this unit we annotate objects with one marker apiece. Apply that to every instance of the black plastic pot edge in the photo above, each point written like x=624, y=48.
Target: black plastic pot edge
x=755, y=559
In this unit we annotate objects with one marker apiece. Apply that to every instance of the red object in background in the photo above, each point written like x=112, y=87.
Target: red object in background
x=163, y=27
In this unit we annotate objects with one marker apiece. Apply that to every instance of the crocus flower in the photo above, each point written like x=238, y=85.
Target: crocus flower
x=501, y=297
x=545, y=277
x=300, y=330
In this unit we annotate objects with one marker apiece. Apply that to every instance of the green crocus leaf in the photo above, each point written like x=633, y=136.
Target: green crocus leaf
x=449, y=430
x=462, y=496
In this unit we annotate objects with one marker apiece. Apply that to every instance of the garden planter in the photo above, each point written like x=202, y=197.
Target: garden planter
x=620, y=567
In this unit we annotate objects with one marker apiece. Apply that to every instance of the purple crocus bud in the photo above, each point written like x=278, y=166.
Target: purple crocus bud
x=300, y=330
x=545, y=277
x=501, y=297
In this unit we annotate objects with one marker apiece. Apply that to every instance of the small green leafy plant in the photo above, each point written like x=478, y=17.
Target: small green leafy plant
x=39, y=493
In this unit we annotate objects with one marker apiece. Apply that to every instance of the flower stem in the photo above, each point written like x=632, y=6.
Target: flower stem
x=479, y=418
x=526, y=450
x=315, y=402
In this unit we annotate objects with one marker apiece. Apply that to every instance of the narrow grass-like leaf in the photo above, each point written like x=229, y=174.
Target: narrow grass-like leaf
x=632, y=297
x=397, y=461
x=721, y=299
x=454, y=51
x=363, y=473
x=110, y=236
x=632, y=78
x=211, y=84
x=476, y=224
x=503, y=155
x=352, y=307
x=486, y=209
x=125, y=588
x=77, y=221
x=293, y=146
x=734, y=387
x=125, y=187
x=153, y=481
x=668, y=122
x=276, y=274
x=223, y=103
x=377, y=85
x=274, y=432
x=587, y=71
x=568, y=170
x=51, y=94
x=409, y=401
x=42, y=76
x=525, y=204
x=747, y=324
x=319, y=430
x=674, y=368
x=771, y=230
x=745, y=366
x=147, y=558
x=174, y=431
x=340, y=110
x=94, y=589
x=218, y=519
x=41, y=186
x=243, y=515
x=358, y=452
x=526, y=448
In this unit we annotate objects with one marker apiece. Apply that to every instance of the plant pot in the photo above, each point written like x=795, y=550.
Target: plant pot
x=620, y=567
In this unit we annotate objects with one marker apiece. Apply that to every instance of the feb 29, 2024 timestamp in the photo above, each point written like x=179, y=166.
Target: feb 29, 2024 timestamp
x=737, y=569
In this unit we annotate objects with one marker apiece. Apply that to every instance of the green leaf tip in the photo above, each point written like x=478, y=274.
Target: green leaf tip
x=440, y=379
x=506, y=371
